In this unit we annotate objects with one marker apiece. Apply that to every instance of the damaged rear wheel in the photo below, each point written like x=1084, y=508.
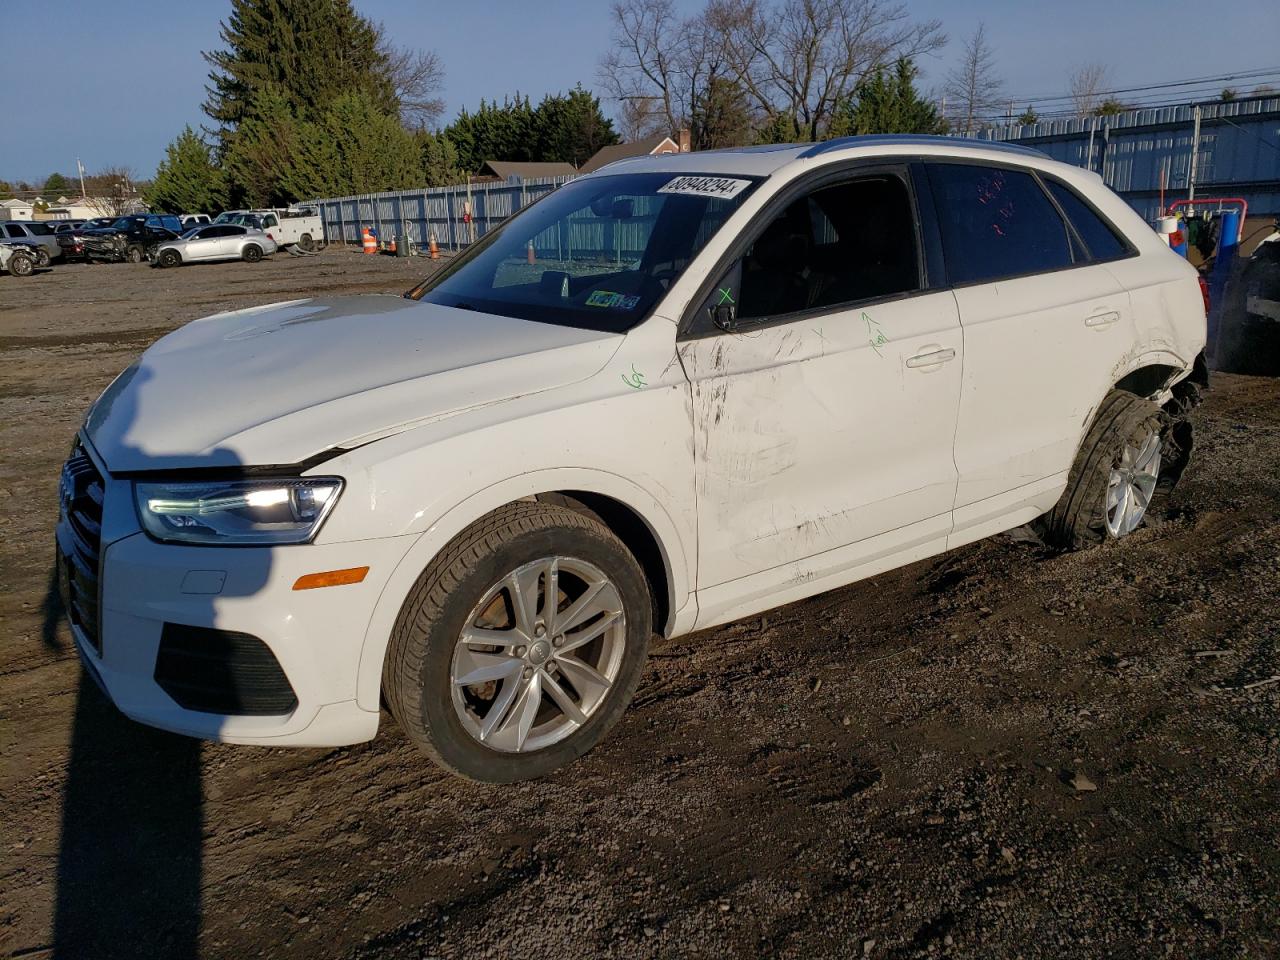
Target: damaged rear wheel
x=1114, y=477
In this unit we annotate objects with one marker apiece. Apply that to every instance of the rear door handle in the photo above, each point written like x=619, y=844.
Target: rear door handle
x=931, y=358
x=1103, y=319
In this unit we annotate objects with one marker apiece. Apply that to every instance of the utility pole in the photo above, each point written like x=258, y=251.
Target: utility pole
x=1093, y=123
x=1195, y=152
x=80, y=167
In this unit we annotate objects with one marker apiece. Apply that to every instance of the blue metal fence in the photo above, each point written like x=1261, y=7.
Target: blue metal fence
x=1239, y=151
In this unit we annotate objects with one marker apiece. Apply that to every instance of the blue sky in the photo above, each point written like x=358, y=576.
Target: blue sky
x=108, y=113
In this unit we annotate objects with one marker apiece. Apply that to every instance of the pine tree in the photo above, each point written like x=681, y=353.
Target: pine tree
x=187, y=180
x=56, y=185
x=887, y=103
x=721, y=116
x=570, y=128
x=262, y=150
x=353, y=147
x=506, y=132
x=310, y=51
x=439, y=159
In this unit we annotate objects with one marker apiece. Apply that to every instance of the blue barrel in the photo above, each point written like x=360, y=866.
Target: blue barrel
x=1178, y=239
x=1228, y=247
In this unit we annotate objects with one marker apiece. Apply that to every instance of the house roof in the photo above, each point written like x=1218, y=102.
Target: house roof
x=640, y=148
x=506, y=169
x=13, y=204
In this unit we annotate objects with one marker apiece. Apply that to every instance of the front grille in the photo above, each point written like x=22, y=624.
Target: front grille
x=221, y=671
x=81, y=491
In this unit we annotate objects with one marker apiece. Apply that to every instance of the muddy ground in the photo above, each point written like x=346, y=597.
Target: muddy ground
x=995, y=753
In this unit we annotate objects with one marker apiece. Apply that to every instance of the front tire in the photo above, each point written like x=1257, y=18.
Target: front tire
x=135, y=254
x=1114, y=477
x=252, y=253
x=21, y=264
x=169, y=258
x=492, y=682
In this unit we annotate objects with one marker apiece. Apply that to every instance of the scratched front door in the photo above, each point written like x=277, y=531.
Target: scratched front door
x=829, y=430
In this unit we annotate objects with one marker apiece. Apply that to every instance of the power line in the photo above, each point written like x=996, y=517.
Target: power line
x=1258, y=73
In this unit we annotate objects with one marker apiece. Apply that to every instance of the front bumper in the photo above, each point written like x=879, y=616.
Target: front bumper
x=316, y=635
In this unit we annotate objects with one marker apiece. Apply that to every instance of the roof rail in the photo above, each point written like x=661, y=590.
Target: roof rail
x=916, y=140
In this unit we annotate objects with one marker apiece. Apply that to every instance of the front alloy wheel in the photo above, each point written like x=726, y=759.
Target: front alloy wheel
x=539, y=654
x=521, y=644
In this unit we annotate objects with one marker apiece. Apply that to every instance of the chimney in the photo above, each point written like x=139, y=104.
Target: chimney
x=683, y=139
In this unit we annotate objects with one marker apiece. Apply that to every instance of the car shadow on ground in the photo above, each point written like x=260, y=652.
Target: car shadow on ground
x=129, y=859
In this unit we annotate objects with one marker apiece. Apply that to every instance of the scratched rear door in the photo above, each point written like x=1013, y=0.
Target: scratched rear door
x=826, y=426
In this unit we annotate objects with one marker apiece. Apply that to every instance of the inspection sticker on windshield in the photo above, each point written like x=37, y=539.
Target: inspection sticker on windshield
x=607, y=298
x=726, y=188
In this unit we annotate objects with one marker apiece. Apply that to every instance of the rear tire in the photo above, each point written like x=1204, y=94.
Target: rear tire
x=42, y=257
x=135, y=254
x=1116, y=460
x=306, y=242
x=533, y=666
x=252, y=253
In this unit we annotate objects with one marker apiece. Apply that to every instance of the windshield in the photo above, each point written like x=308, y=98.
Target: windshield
x=191, y=232
x=597, y=253
x=124, y=223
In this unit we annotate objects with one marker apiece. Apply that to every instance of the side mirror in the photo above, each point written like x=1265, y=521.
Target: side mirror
x=724, y=316
x=722, y=304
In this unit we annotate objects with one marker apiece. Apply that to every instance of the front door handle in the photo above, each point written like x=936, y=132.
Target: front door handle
x=931, y=358
x=1103, y=319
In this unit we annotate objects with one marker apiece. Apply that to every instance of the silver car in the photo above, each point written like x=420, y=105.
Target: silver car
x=37, y=233
x=219, y=241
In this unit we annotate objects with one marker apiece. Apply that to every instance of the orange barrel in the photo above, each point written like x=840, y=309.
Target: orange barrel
x=370, y=245
x=435, y=249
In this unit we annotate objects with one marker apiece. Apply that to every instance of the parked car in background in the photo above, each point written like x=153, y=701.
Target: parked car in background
x=132, y=238
x=62, y=226
x=18, y=259
x=298, y=226
x=72, y=241
x=190, y=220
x=218, y=241
x=477, y=503
x=38, y=233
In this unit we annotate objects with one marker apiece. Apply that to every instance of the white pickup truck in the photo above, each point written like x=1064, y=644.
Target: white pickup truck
x=301, y=227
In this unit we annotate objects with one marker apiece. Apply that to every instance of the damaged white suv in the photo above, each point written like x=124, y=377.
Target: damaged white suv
x=673, y=393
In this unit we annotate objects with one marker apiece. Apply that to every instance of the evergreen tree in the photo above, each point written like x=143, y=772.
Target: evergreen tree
x=721, y=116
x=56, y=185
x=309, y=51
x=1028, y=117
x=887, y=103
x=570, y=128
x=439, y=159
x=506, y=132
x=262, y=151
x=353, y=147
x=187, y=180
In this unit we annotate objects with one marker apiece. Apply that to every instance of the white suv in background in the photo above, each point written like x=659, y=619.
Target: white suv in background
x=673, y=393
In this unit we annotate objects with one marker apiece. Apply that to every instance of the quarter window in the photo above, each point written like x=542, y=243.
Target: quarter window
x=996, y=223
x=1099, y=236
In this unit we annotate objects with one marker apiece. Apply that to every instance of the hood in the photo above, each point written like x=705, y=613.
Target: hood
x=279, y=384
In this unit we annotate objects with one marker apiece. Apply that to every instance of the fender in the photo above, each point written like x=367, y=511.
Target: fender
x=457, y=518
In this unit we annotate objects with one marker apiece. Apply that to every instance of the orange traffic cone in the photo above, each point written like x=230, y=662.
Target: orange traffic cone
x=435, y=249
x=532, y=257
x=391, y=247
x=370, y=245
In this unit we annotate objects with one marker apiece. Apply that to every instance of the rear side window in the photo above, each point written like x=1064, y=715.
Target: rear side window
x=16, y=231
x=996, y=223
x=1099, y=236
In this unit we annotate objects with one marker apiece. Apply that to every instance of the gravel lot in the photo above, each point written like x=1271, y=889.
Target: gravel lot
x=996, y=753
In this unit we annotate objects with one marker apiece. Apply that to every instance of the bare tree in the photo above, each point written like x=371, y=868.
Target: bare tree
x=1087, y=85
x=660, y=66
x=973, y=87
x=791, y=59
x=801, y=58
x=112, y=192
x=418, y=77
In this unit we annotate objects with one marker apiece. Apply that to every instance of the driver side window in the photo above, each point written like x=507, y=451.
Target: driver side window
x=841, y=243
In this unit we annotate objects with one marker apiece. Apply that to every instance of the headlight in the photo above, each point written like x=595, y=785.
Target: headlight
x=236, y=512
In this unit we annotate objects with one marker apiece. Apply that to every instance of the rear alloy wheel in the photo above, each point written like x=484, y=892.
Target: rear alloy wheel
x=521, y=644
x=21, y=264
x=42, y=257
x=1114, y=477
x=306, y=242
x=135, y=254
x=252, y=253
x=170, y=258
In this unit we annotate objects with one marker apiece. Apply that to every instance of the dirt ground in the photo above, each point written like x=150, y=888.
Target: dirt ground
x=996, y=753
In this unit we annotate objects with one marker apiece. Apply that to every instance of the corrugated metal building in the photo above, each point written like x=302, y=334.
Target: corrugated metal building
x=1239, y=151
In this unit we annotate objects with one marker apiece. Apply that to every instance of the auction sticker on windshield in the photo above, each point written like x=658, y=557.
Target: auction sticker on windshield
x=724, y=187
